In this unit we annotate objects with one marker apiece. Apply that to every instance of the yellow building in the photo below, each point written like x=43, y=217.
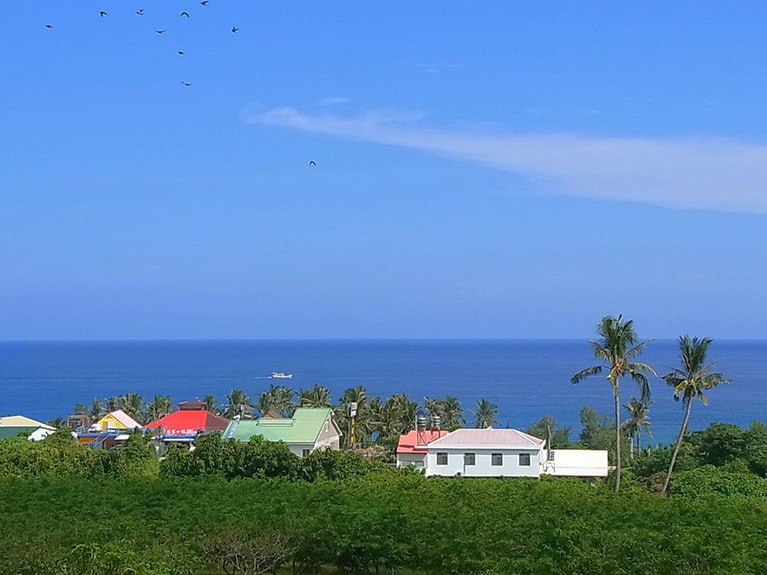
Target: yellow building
x=117, y=420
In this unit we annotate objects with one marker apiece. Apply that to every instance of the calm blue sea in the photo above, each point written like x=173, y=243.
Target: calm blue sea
x=527, y=379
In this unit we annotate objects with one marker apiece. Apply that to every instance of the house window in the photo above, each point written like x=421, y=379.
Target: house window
x=441, y=458
x=524, y=460
x=306, y=453
x=469, y=459
x=496, y=459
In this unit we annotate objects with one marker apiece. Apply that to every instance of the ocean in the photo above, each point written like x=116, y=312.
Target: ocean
x=526, y=379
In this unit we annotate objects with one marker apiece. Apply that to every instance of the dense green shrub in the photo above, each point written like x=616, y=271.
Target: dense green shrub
x=391, y=522
x=54, y=457
x=232, y=459
x=711, y=480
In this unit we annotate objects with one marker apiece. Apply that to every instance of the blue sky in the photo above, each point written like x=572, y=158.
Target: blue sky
x=490, y=170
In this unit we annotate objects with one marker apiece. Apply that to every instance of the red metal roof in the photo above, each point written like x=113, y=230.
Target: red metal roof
x=189, y=422
x=416, y=441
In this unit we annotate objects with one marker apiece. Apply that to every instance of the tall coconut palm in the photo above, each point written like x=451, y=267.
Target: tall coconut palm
x=434, y=408
x=486, y=414
x=277, y=398
x=393, y=418
x=691, y=381
x=159, y=407
x=211, y=403
x=616, y=347
x=318, y=396
x=131, y=403
x=452, y=412
x=238, y=405
x=96, y=410
x=638, y=421
x=112, y=403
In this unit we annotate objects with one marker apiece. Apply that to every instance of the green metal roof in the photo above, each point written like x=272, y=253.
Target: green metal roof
x=304, y=427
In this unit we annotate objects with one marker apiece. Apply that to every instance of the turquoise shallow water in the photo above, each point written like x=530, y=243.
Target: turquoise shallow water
x=525, y=378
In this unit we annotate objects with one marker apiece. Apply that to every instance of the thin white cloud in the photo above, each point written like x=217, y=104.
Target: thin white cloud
x=437, y=68
x=706, y=173
x=333, y=101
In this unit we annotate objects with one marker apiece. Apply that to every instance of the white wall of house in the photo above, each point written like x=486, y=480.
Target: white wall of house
x=301, y=449
x=576, y=463
x=418, y=460
x=330, y=436
x=486, y=462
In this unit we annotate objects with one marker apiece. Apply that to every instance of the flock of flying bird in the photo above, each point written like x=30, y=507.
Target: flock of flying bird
x=183, y=14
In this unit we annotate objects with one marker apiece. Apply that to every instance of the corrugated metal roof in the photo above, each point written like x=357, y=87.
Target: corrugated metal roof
x=21, y=421
x=189, y=422
x=304, y=427
x=121, y=417
x=416, y=441
x=512, y=438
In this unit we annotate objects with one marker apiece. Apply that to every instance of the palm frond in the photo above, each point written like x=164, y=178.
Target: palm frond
x=637, y=349
x=586, y=373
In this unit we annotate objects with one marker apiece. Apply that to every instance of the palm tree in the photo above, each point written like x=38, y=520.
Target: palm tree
x=211, y=403
x=486, y=414
x=131, y=403
x=638, y=421
x=392, y=418
x=238, y=405
x=277, y=398
x=318, y=396
x=617, y=347
x=452, y=412
x=434, y=407
x=690, y=382
x=96, y=409
x=112, y=403
x=159, y=407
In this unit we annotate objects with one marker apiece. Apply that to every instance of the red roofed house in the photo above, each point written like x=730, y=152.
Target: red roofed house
x=190, y=421
x=411, y=447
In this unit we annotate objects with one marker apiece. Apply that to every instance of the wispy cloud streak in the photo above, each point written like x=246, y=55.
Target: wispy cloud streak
x=706, y=173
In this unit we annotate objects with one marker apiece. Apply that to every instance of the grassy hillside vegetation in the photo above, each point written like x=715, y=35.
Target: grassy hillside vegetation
x=394, y=522
x=241, y=508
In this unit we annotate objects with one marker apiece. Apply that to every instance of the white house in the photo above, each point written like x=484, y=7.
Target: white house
x=485, y=453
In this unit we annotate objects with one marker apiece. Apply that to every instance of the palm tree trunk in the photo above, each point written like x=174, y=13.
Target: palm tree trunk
x=676, y=449
x=617, y=439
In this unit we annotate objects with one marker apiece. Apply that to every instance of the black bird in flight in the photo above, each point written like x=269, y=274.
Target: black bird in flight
x=187, y=84
x=312, y=163
x=102, y=13
x=160, y=31
x=184, y=13
x=140, y=11
x=49, y=26
x=234, y=29
x=204, y=2
x=180, y=52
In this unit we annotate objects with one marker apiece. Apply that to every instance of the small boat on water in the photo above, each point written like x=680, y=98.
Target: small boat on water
x=281, y=375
